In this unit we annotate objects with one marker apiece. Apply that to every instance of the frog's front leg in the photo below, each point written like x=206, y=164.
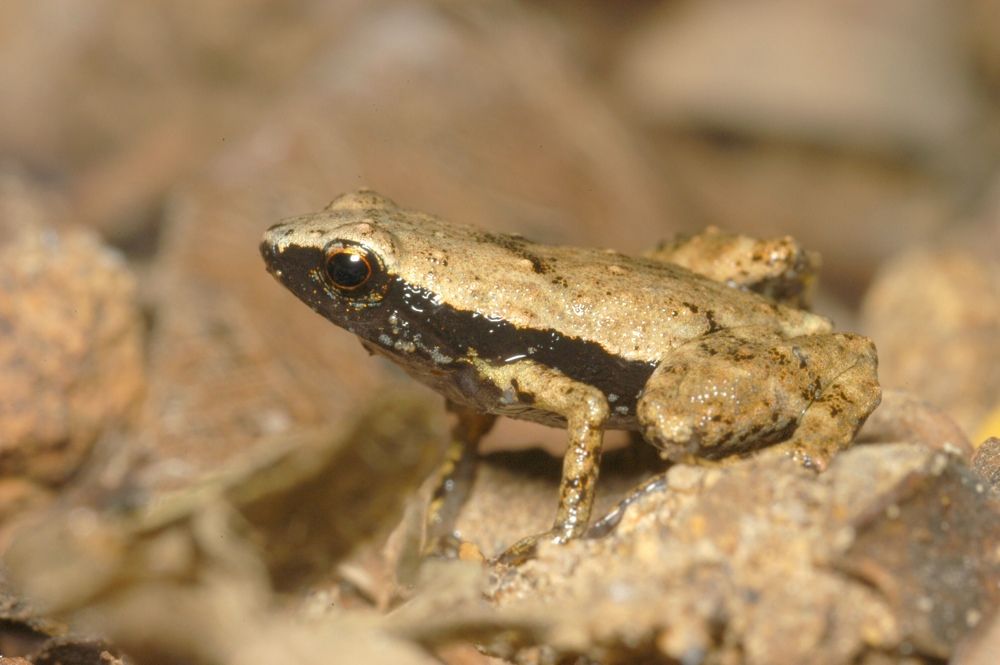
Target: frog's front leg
x=585, y=410
x=739, y=390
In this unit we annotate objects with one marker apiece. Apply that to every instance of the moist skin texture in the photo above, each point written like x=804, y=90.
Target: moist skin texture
x=585, y=339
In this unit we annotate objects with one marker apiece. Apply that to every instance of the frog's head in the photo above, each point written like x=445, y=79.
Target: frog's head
x=340, y=262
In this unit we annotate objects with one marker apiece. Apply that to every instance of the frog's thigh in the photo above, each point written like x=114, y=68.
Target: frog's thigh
x=738, y=390
x=776, y=267
x=586, y=410
x=718, y=394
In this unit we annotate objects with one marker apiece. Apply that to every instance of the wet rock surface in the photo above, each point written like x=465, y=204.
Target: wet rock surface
x=766, y=562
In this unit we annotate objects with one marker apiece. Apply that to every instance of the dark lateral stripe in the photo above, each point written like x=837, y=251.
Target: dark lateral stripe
x=456, y=331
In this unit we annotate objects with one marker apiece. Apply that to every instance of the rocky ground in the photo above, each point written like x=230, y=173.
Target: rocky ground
x=195, y=468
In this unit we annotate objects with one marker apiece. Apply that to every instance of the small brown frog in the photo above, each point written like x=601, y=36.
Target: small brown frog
x=584, y=339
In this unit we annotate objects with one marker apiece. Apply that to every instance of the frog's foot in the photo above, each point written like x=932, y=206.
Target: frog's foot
x=527, y=548
x=443, y=546
x=740, y=390
x=451, y=547
x=607, y=524
x=833, y=418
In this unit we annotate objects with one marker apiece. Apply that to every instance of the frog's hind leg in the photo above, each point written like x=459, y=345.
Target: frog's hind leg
x=778, y=268
x=455, y=480
x=848, y=395
x=742, y=389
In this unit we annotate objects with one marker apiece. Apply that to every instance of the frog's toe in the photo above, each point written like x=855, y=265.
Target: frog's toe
x=675, y=434
x=527, y=548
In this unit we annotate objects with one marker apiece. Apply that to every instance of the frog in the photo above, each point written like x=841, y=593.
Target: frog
x=701, y=366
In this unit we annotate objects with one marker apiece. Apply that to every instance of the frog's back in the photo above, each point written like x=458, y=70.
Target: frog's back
x=635, y=308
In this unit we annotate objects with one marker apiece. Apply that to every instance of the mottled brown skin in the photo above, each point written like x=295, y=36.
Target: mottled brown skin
x=580, y=338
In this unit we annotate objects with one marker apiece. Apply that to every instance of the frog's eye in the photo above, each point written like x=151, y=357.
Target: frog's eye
x=349, y=268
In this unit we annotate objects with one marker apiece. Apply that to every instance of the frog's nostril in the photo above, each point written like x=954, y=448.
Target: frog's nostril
x=275, y=233
x=268, y=249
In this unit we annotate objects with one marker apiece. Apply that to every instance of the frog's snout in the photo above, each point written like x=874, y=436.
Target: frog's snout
x=291, y=263
x=269, y=251
x=275, y=233
x=274, y=243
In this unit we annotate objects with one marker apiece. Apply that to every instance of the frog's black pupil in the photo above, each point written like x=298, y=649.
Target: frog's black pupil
x=348, y=270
